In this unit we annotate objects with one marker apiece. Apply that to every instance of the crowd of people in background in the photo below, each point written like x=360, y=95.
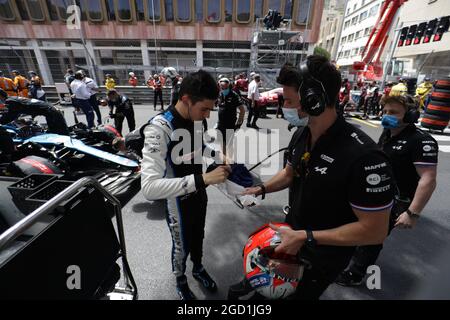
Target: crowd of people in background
x=20, y=86
x=361, y=96
x=369, y=95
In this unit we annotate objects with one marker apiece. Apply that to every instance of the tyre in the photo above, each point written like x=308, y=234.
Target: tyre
x=443, y=84
x=439, y=109
x=434, y=122
x=441, y=95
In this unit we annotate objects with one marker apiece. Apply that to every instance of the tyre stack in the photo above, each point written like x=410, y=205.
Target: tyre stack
x=437, y=114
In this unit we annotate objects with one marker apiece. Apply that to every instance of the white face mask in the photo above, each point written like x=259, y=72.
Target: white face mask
x=291, y=115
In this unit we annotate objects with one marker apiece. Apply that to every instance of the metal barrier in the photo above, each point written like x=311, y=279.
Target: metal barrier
x=16, y=230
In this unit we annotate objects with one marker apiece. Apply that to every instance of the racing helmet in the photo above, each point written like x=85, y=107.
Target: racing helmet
x=273, y=275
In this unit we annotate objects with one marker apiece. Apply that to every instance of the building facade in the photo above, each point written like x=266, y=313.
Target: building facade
x=331, y=26
x=119, y=36
x=359, y=19
x=423, y=46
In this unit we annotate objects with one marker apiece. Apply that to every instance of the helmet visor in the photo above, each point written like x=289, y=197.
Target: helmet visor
x=286, y=267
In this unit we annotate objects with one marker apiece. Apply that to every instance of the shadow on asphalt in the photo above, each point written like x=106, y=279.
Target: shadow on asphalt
x=408, y=260
x=154, y=209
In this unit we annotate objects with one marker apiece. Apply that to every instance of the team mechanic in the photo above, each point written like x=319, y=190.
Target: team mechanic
x=414, y=157
x=121, y=107
x=183, y=185
x=344, y=191
x=229, y=102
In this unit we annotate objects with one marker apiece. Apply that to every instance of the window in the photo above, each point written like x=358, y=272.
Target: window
x=302, y=13
x=140, y=10
x=168, y=4
x=154, y=10
x=366, y=31
x=374, y=10
x=340, y=55
x=228, y=10
x=199, y=10
x=243, y=11
x=348, y=11
x=213, y=9
x=123, y=9
x=350, y=37
x=6, y=12
x=94, y=10
x=35, y=11
x=347, y=24
x=358, y=34
x=363, y=3
x=354, y=7
x=346, y=53
x=361, y=50
x=274, y=5
x=110, y=10
x=363, y=16
x=57, y=9
x=344, y=40
x=183, y=10
x=355, y=51
x=354, y=20
x=259, y=8
x=288, y=9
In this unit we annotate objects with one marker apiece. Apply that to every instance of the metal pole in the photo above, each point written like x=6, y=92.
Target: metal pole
x=391, y=54
x=89, y=59
x=306, y=26
x=154, y=36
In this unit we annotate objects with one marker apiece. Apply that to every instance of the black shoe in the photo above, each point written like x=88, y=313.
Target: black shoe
x=183, y=290
x=203, y=277
x=249, y=125
x=349, y=279
x=239, y=290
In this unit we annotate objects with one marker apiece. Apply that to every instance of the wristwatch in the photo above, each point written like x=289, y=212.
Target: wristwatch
x=263, y=190
x=310, y=241
x=412, y=214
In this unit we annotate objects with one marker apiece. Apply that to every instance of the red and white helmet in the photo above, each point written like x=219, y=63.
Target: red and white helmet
x=271, y=274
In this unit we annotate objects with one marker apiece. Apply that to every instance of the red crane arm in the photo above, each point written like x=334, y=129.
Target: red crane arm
x=379, y=34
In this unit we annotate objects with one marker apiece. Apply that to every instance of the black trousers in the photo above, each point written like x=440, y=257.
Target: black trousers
x=158, y=95
x=226, y=138
x=94, y=103
x=253, y=113
x=366, y=256
x=120, y=117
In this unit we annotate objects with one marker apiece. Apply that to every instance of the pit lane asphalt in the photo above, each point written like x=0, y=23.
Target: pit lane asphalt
x=410, y=259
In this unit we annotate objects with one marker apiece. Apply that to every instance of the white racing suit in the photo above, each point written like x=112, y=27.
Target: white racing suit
x=180, y=185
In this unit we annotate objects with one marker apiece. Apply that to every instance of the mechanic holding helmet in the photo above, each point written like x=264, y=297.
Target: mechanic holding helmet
x=182, y=184
x=120, y=107
x=229, y=101
x=344, y=189
x=414, y=157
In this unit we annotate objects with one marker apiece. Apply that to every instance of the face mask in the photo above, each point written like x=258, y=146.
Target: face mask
x=226, y=91
x=291, y=115
x=390, y=122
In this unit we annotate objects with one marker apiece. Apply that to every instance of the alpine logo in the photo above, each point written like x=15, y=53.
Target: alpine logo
x=321, y=170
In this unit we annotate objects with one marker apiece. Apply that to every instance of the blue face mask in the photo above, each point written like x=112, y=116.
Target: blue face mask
x=226, y=91
x=291, y=115
x=390, y=122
